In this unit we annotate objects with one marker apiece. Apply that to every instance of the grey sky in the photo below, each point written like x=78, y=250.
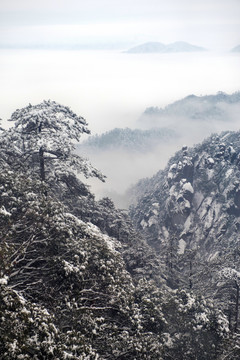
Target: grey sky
x=209, y=23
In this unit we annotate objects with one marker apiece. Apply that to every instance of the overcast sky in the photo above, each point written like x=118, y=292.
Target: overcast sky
x=214, y=24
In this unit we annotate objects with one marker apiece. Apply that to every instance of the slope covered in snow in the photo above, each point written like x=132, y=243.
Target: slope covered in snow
x=190, y=214
x=78, y=282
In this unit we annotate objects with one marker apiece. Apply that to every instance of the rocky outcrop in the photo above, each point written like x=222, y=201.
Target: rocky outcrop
x=190, y=212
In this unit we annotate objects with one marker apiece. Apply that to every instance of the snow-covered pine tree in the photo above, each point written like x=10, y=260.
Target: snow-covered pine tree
x=230, y=291
x=44, y=140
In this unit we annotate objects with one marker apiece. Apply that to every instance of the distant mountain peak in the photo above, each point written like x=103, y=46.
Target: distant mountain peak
x=158, y=47
x=179, y=46
x=148, y=47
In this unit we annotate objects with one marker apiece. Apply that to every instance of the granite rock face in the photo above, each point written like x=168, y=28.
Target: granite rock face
x=190, y=212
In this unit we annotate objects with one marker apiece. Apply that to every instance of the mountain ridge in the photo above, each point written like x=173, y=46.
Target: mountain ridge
x=136, y=140
x=158, y=47
x=193, y=109
x=220, y=97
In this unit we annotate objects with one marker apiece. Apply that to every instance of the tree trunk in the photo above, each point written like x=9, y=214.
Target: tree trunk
x=41, y=164
x=237, y=306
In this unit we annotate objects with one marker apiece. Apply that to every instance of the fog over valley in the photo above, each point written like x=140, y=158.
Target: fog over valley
x=112, y=89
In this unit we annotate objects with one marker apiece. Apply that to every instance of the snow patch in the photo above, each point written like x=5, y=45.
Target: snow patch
x=110, y=242
x=167, y=340
x=93, y=230
x=210, y=173
x=188, y=187
x=210, y=161
x=229, y=173
x=231, y=274
x=4, y=280
x=4, y=212
x=217, y=208
x=165, y=232
x=70, y=268
x=152, y=221
x=198, y=198
x=143, y=224
x=181, y=246
x=172, y=171
x=213, y=256
x=187, y=225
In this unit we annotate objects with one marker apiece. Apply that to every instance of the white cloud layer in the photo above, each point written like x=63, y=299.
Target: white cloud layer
x=211, y=23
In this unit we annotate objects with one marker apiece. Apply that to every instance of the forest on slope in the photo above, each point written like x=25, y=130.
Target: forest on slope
x=78, y=281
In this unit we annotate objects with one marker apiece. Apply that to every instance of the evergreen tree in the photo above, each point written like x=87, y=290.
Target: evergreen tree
x=44, y=138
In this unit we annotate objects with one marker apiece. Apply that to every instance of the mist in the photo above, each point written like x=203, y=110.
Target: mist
x=112, y=89
x=125, y=168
